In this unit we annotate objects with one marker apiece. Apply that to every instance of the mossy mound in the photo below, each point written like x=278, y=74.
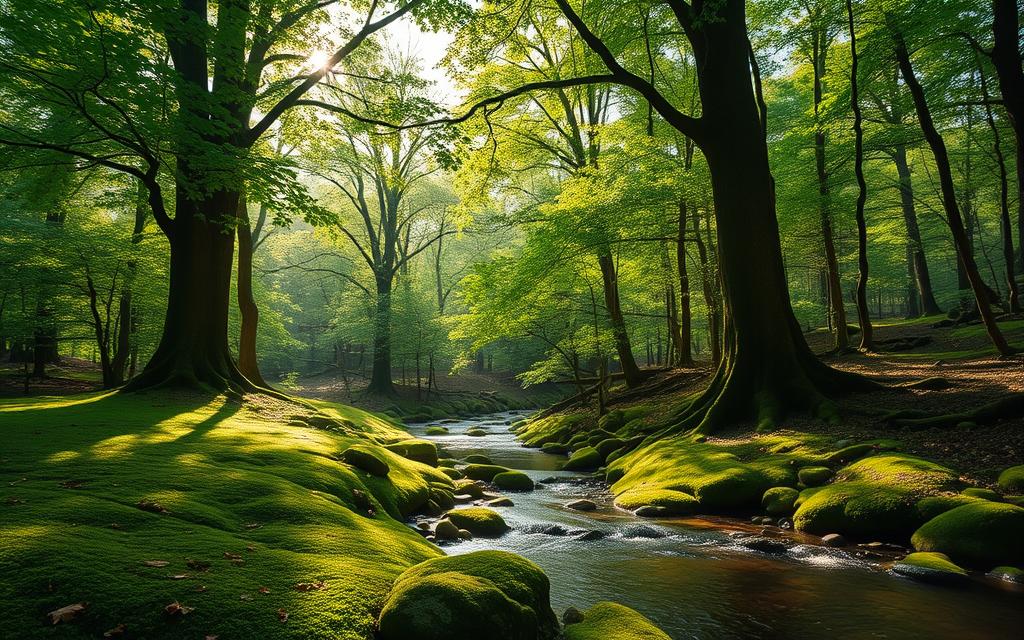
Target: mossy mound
x=814, y=476
x=477, y=458
x=936, y=505
x=675, y=503
x=476, y=432
x=585, y=459
x=486, y=594
x=1008, y=574
x=485, y=472
x=929, y=567
x=468, y=487
x=780, y=501
x=981, y=534
x=722, y=476
x=618, y=418
x=553, y=428
x=1012, y=480
x=93, y=487
x=423, y=451
x=606, y=446
x=437, y=430
x=447, y=462
x=612, y=621
x=982, y=493
x=851, y=453
x=454, y=474
x=480, y=521
x=555, y=448
x=875, y=496
x=513, y=481
x=361, y=457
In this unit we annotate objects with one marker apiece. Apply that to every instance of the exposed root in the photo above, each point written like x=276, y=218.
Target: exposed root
x=1009, y=407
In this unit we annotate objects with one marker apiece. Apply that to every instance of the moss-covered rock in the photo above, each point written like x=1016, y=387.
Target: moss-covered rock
x=814, y=476
x=929, y=567
x=447, y=462
x=553, y=428
x=480, y=521
x=437, y=430
x=618, y=418
x=1008, y=574
x=606, y=446
x=477, y=458
x=612, y=621
x=675, y=503
x=1012, y=480
x=476, y=432
x=982, y=493
x=932, y=506
x=454, y=474
x=513, y=481
x=423, y=451
x=361, y=457
x=485, y=472
x=486, y=594
x=851, y=453
x=876, y=496
x=981, y=534
x=469, y=487
x=585, y=459
x=780, y=501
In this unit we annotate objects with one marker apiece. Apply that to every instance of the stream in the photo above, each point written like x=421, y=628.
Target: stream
x=696, y=581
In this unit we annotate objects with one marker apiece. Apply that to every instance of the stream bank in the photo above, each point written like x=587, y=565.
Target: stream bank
x=695, y=578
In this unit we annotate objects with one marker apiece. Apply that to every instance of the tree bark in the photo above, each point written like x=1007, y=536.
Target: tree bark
x=1006, y=59
x=250, y=313
x=956, y=223
x=709, y=285
x=380, y=373
x=685, y=355
x=609, y=279
x=863, y=315
x=917, y=261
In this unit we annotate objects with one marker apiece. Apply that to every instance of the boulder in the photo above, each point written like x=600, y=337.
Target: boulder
x=555, y=448
x=581, y=505
x=469, y=487
x=780, y=501
x=982, y=493
x=361, y=458
x=981, y=534
x=513, y=481
x=500, y=502
x=446, y=530
x=454, y=474
x=1012, y=480
x=673, y=503
x=477, y=458
x=482, y=522
x=437, y=430
x=612, y=621
x=476, y=432
x=765, y=544
x=585, y=459
x=485, y=472
x=814, y=476
x=572, y=615
x=929, y=567
x=423, y=451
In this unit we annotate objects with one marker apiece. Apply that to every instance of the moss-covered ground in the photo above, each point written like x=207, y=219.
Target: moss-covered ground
x=132, y=502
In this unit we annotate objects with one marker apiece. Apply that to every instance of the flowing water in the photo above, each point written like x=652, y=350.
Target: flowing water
x=697, y=582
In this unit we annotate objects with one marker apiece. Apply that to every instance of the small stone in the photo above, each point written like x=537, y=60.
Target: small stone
x=593, y=534
x=785, y=523
x=446, y=530
x=833, y=540
x=572, y=615
x=651, y=511
x=765, y=545
x=641, y=531
x=582, y=505
x=555, y=530
x=548, y=480
x=465, y=534
x=462, y=498
x=423, y=526
x=500, y=502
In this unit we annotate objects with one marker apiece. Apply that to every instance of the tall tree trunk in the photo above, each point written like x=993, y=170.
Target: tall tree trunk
x=709, y=285
x=380, y=374
x=128, y=315
x=835, y=290
x=250, y=313
x=917, y=262
x=1005, y=226
x=609, y=278
x=685, y=314
x=956, y=223
x=863, y=316
x=1006, y=59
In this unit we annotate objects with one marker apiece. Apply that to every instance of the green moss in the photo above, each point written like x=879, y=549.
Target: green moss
x=676, y=502
x=477, y=458
x=851, y=453
x=875, y=496
x=606, y=446
x=485, y=472
x=982, y=534
x=555, y=448
x=618, y=418
x=486, y=594
x=361, y=457
x=721, y=475
x=929, y=567
x=814, y=476
x=1012, y=480
x=553, y=428
x=513, y=481
x=982, y=493
x=780, y=501
x=454, y=474
x=932, y=506
x=480, y=521
x=612, y=621
x=232, y=480
x=1017, y=500
x=437, y=430
x=584, y=459
x=423, y=451
x=476, y=432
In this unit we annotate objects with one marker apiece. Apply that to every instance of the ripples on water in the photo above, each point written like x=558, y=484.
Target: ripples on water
x=696, y=582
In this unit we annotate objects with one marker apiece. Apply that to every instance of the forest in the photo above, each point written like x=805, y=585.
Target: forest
x=511, y=319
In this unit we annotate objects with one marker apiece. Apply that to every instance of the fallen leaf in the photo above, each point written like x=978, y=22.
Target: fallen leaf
x=197, y=565
x=264, y=590
x=155, y=563
x=13, y=500
x=250, y=548
x=232, y=556
x=180, y=576
x=149, y=505
x=245, y=597
x=311, y=586
x=253, y=525
x=237, y=561
x=68, y=613
x=115, y=632
x=176, y=609
x=114, y=525
x=282, y=615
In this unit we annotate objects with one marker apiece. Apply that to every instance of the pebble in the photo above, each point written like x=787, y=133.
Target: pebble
x=500, y=502
x=833, y=540
x=651, y=511
x=582, y=505
x=765, y=545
